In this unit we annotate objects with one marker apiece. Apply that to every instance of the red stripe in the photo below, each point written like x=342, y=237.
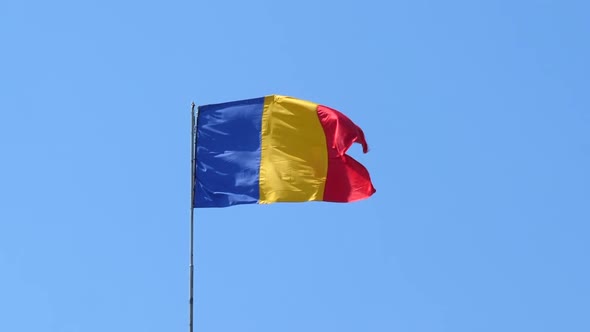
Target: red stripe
x=347, y=179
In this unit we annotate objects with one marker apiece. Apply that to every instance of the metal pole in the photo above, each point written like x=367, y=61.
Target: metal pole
x=191, y=265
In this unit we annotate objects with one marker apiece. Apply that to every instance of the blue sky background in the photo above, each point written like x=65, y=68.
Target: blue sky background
x=478, y=118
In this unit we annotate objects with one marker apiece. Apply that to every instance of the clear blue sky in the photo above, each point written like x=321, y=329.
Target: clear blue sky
x=478, y=118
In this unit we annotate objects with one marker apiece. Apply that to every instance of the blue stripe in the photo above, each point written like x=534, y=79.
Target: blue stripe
x=228, y=153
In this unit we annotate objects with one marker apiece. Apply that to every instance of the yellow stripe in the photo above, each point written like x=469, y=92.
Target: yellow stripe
x=294, y=157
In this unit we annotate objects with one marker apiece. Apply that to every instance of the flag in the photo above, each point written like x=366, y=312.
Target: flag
x=276, y=149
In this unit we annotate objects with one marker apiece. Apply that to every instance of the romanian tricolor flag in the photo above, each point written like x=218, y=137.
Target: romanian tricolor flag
x=276, y=149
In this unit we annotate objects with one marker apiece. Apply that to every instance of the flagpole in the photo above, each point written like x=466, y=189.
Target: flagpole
x=192, y=221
